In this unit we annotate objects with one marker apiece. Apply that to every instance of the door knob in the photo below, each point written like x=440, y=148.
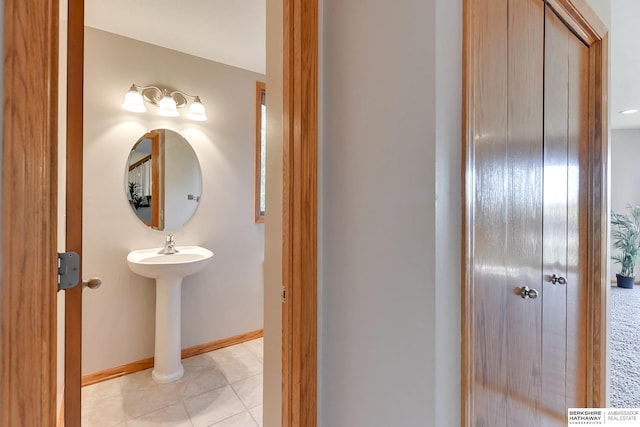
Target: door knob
x=525, y=293
x=558, y=280
x=93, y=283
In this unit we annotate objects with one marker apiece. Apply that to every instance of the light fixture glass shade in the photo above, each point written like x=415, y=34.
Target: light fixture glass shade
x=133, y=101
x=168, y=107
x=196, y=111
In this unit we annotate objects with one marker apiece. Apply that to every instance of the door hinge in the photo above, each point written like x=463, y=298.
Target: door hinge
x=283, y=294
x=68, y=270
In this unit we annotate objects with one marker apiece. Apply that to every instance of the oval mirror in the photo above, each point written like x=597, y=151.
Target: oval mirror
x=163, y=180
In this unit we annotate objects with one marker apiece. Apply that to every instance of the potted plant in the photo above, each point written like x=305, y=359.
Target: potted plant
x=625, y=236
x=134, y=193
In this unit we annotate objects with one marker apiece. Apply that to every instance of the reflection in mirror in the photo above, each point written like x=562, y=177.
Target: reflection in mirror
x=261, y=152
x=163, y=180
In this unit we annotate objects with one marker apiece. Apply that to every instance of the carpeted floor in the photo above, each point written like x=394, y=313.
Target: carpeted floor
x=624, y=330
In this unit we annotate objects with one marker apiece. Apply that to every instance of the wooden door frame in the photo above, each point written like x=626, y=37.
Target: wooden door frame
x=300, y=213
x=587, y=25
x=73, y=209
x=29, y=215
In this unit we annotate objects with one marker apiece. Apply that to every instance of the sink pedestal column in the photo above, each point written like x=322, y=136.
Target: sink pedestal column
x=168, y=270
x=168, y=348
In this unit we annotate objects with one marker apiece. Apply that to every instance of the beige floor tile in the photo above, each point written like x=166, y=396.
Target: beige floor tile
x=229, y=353
x=237, y=364
x=213, y=406
x=256, y=347
x=201, y=398
x=249, y=391
x=256, y=413
x=100, y=391
x=196, y=362
x=107, y=412
x=138, y=380
x=199, y=380
x=241, y=420
x=175, y=416
x=138, y=401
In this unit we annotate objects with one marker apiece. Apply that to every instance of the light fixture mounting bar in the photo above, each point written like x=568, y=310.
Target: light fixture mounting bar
x=167, y=101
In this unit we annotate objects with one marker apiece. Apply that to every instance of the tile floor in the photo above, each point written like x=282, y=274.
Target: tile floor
x=222, y=388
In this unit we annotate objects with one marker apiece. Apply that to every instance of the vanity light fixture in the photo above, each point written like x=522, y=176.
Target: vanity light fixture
x=167, y=102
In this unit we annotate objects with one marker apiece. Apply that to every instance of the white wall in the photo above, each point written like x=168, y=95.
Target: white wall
x=625, y=175
x=448, y=213
x=227, y=297
x=390, y=291
x=603, y=9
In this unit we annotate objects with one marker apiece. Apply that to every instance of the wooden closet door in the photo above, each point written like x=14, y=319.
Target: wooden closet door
x=530, y=118
x=535, y=211
x=564, y=249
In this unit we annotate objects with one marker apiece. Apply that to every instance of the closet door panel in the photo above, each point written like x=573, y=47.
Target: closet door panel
x=489, y=207
x=523, y=246
x=555, y=217
x=577, y=206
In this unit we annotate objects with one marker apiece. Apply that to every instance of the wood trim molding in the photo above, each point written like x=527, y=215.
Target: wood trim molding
x=118, y=371
x=157, y=178
x=141, y=365
x=300, y=213
x=29, y=221
x=579, y=16
x=139, y=162
x=73, y=209
x=598, y=247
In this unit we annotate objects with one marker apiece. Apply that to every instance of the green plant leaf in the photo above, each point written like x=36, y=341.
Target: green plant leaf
x=625, y=237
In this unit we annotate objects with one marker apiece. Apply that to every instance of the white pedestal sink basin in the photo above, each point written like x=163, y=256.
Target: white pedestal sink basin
x=168, y=270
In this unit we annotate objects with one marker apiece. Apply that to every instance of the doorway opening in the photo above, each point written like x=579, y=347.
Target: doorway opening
x=222, y=145
x=623, y=312
x=29, y=182
x=623, y=307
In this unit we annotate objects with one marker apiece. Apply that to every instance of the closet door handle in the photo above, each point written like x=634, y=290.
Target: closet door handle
x=525, y=293
x=558, y=280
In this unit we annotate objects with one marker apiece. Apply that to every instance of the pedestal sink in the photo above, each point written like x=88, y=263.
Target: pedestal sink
x=168, y=270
